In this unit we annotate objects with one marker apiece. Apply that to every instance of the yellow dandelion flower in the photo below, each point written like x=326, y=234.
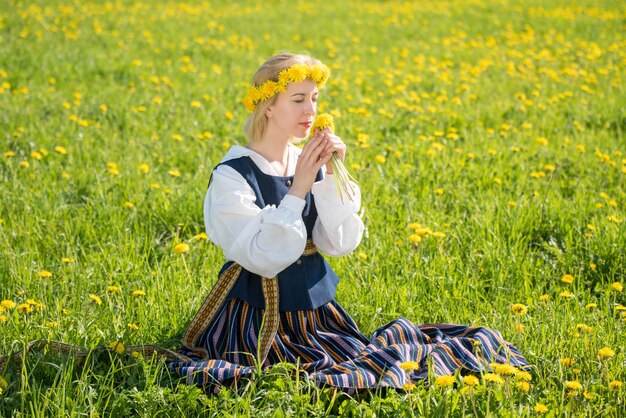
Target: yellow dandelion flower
x=573, y=385
x=540, y=408
x=493, y=378
x=95, y=299
x=511, y=203
x=519, y=309
x=9, y=154
x=523, y=386
x=129, y=205
x=24, y=164
x=523, y=375
x=415, y=238
x=114, y=289
x=181, y=248
x=196, y=103
x=174, y=173
x=620, y=308
x=380, y=159
x=567, y=361
x=138, y=293
x=566, y=294
x=470, y=380
x=362, y=256
x=519, y=327
x=591, y=306
x=408, y=366
x=8, y=304
x=615, y=385
x=584, y=328
x=67, y=260
x=44, y=274
x=444, y=381
x=24, y=308
x=567, y=278
x=144, y=168
x=60, y=150
x=544, y=297
x=200, y=236
x=408, y=386
x=617, y=286
x=504, y=369
x=133, y=327
x=117, y=346
x=52, y=324
x=606, y=352
x=3, y=319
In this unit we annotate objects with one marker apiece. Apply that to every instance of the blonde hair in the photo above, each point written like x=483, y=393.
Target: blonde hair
x=269, y=70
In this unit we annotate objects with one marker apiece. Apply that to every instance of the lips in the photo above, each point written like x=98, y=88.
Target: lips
x=306, y=124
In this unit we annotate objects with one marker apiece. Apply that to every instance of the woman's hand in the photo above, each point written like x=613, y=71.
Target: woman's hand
x=312, y=158
x=334, y=144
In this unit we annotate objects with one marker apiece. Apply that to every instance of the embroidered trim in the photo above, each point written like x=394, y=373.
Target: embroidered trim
x=211, y=305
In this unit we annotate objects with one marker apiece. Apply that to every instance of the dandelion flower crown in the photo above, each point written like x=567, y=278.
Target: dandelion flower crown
x=318, y=73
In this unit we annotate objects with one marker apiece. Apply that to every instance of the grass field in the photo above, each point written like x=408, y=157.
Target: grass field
x=488, y=138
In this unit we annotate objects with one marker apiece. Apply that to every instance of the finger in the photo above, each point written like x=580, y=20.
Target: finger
x=313, y=153
x=323, y=160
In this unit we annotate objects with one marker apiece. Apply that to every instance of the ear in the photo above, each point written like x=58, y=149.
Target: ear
x=268, y=112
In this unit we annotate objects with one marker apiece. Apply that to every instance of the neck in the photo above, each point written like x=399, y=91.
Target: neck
x=272, y=146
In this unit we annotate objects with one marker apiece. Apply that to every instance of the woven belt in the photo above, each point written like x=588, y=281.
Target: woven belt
x=217, y=296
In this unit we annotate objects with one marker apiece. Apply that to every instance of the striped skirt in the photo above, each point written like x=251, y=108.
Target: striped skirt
x=327, y=344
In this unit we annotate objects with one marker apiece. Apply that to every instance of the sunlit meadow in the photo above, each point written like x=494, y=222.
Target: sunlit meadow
x=487, y=137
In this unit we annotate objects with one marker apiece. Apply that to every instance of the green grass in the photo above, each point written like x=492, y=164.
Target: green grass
x=501, y=125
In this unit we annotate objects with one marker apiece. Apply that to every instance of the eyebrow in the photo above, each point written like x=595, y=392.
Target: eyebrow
x=302, y=94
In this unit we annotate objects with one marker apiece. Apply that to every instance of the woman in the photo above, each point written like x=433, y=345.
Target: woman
x=272, y=207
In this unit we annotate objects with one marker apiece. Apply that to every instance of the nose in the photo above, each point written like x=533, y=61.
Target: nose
x=310, y=108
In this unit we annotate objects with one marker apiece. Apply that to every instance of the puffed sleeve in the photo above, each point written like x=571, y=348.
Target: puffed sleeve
x=339, y=228
x=263, y=241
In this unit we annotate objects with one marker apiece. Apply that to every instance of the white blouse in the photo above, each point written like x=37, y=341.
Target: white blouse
x=266, y=241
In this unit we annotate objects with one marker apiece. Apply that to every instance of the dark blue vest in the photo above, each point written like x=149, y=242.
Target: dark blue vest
x=306, y=284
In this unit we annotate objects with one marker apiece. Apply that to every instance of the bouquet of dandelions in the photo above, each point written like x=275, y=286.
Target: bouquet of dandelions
x=343, y=179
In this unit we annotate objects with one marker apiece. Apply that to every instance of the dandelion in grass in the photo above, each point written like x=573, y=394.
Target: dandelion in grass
x=114, y=289
x=617, y=286
x=181, y=248
x=621, y=308
x=605, y=353
x=591, y=306
x=444, y=381
x=567, y=362
x=24, y=308
x=138, y=293
x=67, y=260
x=3, y=319
x=540, y=408
x=408, y=366
x=573, y=385
x=95, y=299
x=566, y=294
x=519, y=309
x=523, y=386
x=493, y=378
x=60, y=150
x=408, y=386
x=201, y=236
x=133, y=327
x=523, y=375
x=567, y=278
x=8, y=304
x=503, y=369
x=117, y=346
x=44, y=274
x=174, y=173
x=584, y=328
x=615, y=385
x=544, y=298
x=470, y=380
x=144, y=168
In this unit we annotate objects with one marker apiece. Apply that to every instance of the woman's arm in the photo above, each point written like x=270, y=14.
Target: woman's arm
x=263, y=241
